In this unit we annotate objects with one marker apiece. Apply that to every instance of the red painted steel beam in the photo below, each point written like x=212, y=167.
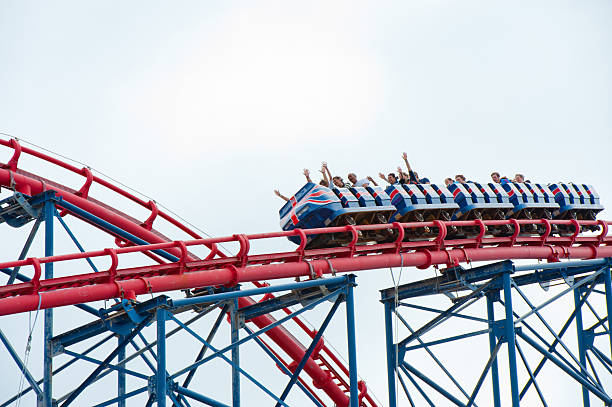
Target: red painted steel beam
x=143, y=284
x=191, y=272
x=31, y=185
x=283, y=338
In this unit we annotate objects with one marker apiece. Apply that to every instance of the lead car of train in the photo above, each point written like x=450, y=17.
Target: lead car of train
x=315, y=206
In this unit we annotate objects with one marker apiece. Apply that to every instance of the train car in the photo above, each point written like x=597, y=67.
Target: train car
x=315, y=206
x=531, y=201
x=416, y=204
x=576, y=201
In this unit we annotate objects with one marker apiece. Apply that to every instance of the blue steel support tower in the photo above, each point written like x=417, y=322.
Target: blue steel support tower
x=588, y=365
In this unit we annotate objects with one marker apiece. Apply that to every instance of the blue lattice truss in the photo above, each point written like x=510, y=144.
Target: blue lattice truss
x=126, y=320
x=590, y=366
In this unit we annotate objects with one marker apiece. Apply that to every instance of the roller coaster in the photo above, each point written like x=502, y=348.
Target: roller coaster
x=337, y=231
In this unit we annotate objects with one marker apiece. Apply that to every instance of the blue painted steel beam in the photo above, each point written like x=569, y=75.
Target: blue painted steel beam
x=511, y=340
x=160, y=382
x=391, y=354
x=595, y=264
x=75, y=241
x=605, y=361
x=531, y=376
x=444, y=340
x=456, y=278
x=282, y=367
x=445, y=315
x=440, y=365
x=547, y=325
x=198, y=397
x=26, y=248
x=204, y=348
x=121, y=375
x=581, y=347
x=432, y=285
x=603, y=396
x=406, y=390
x=552, y=346
x=106, y=365
x=492, y=344
x=90, y=379
x=97, y=327
x=287, y=300
x=56, y=371
x=259, y=332
x=22, y=367
x=415, y=384
x=122, y=399
x=440, y=311
x=48, y=210
x=333, y=281
x=352, y=344
x=608, y=287
x=235, y=337
x=311, y=349
x=220, y=354
x=490, y=362
x=432, y=384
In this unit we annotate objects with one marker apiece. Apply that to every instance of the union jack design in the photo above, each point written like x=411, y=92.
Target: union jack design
x=556, y=191
x=456, y=192
x=315, y=196
x=393, y=194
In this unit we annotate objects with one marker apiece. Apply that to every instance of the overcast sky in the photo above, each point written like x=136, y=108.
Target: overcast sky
x=209, y=106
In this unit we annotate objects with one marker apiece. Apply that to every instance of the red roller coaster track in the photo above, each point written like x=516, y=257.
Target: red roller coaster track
x=219, y=269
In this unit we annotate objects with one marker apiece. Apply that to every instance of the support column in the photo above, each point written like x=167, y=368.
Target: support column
x=581, y=349
x=160, y=385
x=352, y=344
x=235, y=337
x=48, y=209
x=511, y=340
x=120, y=374
x=608, y=285
x=492, y=343
x=391, y=362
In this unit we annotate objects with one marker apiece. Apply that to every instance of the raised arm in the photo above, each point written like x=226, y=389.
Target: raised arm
x=322, y=170
x=405, y=157
x=328, y=172
x=382, y=176
x=307, y=174
x=403, y=176
x=411, y=176
x=278, y=194
x=372, y=181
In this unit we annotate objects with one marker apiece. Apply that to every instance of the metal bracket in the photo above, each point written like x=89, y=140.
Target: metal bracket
x=499, y=329
x=588, y=338
x=16, y=211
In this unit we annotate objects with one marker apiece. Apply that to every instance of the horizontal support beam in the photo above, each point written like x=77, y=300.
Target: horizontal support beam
x=329, y=282
x=456, y=278
x=136, y=280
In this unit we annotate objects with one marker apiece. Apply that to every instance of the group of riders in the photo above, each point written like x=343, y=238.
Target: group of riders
x=402, y=177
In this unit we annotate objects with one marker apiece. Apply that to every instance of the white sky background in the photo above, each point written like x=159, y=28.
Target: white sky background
x=208, y=107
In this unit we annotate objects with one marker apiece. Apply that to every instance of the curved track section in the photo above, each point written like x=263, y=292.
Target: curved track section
x=79, y=204
x=177, y=268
